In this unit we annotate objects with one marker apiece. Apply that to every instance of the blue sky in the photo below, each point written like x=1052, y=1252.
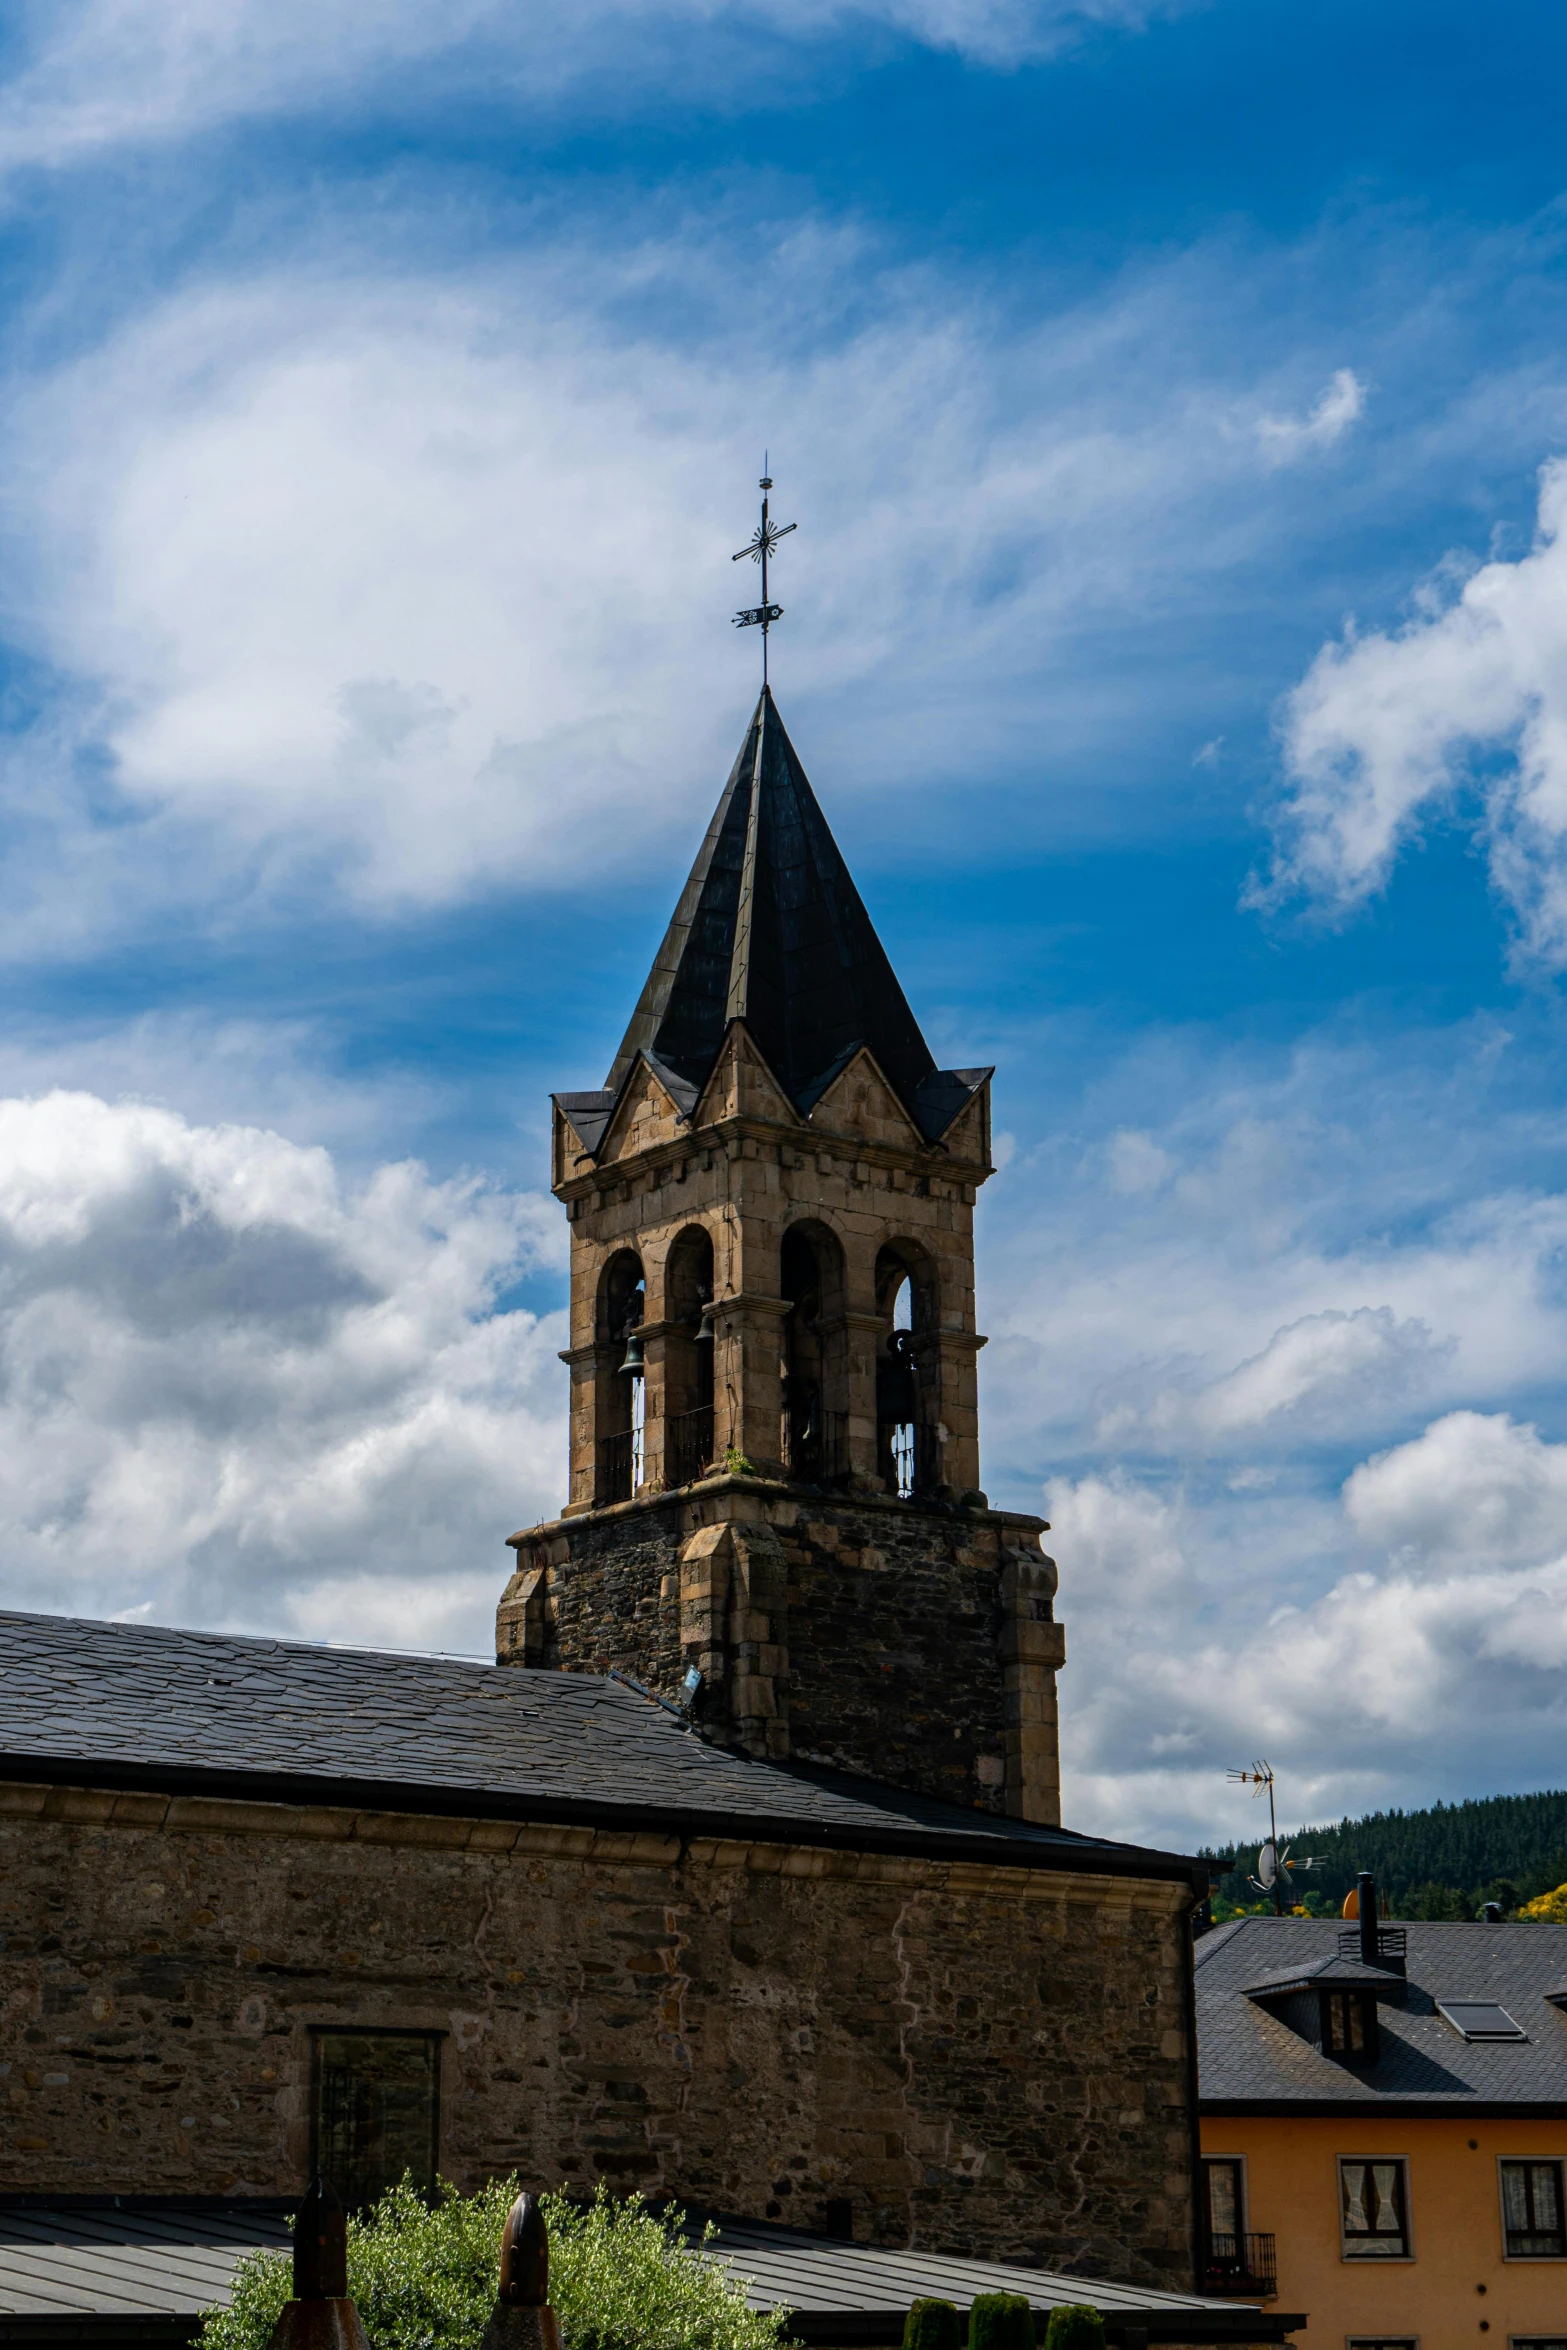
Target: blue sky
x=1176, y=634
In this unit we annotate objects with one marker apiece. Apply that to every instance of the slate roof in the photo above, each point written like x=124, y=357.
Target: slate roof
x=771, y=930
x=84, y=2269
x=1250, y=2061
x=136, y=1705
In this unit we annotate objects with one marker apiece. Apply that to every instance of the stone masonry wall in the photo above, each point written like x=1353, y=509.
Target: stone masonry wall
x=913, y=1645
x=984, y=2061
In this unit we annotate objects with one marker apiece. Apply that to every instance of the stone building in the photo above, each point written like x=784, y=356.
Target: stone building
x=265, y=1908
x=772, y=1270
x=791, y=1929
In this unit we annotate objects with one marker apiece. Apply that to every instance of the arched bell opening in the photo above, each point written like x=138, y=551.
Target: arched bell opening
x=622, y=1393
x=908, y=1372
x=688, y=1356
x=813, y=1356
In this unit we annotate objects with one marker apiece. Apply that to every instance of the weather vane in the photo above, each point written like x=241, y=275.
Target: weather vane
x=764, y=539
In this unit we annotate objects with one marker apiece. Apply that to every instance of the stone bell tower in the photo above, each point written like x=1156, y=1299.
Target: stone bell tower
x=774, y=1431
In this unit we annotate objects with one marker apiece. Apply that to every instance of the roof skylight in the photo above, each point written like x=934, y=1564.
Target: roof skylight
x=1479, y=2019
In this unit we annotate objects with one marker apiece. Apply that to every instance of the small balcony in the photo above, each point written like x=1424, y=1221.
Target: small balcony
x=910, y=1455
x=618, y=1469
x=688, y=1445
x=1242, y=2265
x=815, y=1444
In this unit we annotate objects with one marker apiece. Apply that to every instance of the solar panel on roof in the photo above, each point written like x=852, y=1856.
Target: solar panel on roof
x=1479, y=2019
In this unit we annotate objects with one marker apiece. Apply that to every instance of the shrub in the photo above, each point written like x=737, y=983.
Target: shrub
x=932, y=2325
x=424, y=2278
x=1076, y=2327
x=1000, y=2321
x=1552, y=1907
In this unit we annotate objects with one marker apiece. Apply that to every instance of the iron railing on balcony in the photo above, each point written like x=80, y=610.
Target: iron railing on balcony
x=688, y=1445
x=619, y=1467
x=913, y=1449
x=1245, y=2265
x=815, y=1444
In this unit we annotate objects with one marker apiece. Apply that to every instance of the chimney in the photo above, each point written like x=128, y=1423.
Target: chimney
x=1366, y=1894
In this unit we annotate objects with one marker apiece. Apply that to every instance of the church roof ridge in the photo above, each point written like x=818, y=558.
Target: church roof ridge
x=771, y=930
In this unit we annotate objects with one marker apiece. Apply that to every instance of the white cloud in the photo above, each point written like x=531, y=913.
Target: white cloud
x=1329, y=1367
x=1384, y=1681
x=425, y=584
x=1387, y=726
x=1137, y=1164
x=99, y=73
x=1299, y=1399
x=1475, y=1485
x=1341, y=404
x=236, y=1391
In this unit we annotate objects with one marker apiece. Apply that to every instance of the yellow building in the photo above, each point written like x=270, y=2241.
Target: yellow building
x=1384, y=2129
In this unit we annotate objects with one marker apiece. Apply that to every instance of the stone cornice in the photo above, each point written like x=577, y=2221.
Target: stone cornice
x=761, y=1490
x=48, y=1802
x=927, y=1161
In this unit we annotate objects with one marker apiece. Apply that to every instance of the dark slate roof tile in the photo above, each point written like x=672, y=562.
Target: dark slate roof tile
x=771, y=930
x=1247, y=2056
x=138, y=1704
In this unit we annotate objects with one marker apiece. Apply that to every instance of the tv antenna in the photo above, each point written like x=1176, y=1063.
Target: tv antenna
x=1274, y=1868
x=763, y=540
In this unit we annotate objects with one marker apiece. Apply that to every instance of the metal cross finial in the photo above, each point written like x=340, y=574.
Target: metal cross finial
x=763, y=540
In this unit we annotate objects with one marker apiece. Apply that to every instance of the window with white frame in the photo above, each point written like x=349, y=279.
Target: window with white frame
x=1374, y=2207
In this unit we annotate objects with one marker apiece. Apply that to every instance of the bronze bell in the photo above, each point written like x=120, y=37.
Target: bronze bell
x=632, y=1366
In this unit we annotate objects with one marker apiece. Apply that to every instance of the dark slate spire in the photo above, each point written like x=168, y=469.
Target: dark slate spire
x=770, y=930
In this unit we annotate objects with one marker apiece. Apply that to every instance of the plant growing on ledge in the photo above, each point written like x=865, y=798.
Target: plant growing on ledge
x=424, y=2278
x=736, y=1464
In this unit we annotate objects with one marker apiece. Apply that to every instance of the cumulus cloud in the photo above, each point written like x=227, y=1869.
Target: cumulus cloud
x=1442, y=1674
x=97, y=73
x=1473, y=1485
x=1341, y=403
x=1287, y=1383
x=236, y=1391
x=1387, y=727
x=1325, y=1370
x=424, y=584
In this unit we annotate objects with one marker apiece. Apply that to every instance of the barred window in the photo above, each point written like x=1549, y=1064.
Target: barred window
x=376, y=2111
x=1532, y=2211
x=1375, y=2210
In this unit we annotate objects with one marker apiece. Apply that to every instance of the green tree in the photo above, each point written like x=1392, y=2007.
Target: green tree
x=424, y=2278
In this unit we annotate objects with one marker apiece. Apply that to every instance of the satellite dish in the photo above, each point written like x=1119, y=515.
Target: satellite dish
x=1351, y=1904
x=1267, y=1867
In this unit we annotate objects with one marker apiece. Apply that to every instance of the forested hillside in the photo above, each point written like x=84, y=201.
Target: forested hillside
x=1438, y=1863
